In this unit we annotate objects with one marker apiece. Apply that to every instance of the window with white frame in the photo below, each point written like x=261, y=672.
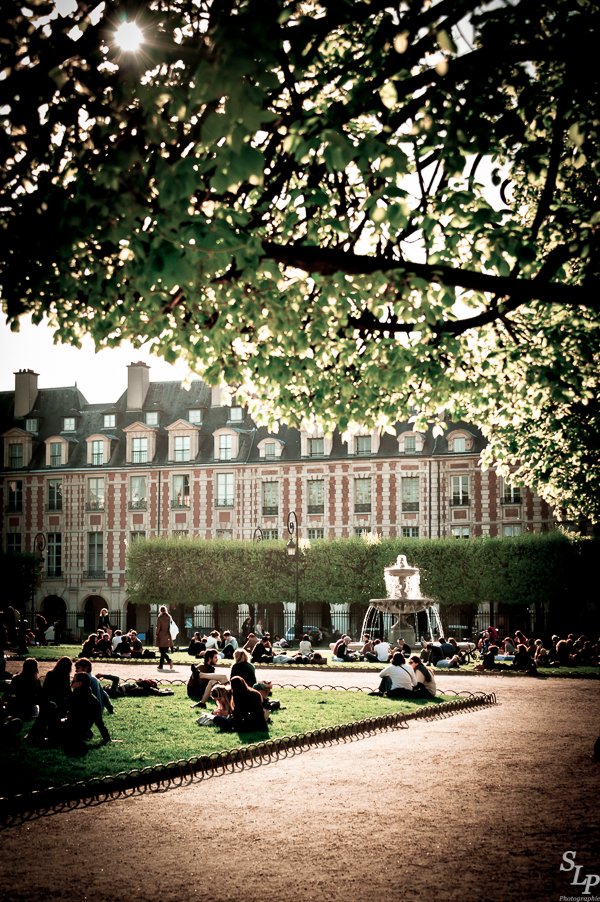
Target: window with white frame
x=315, y=534
x=31, y=425
x=13, y=543
x=270, y=450
x=15, y=496
x=236, y=414
x=55, y=494
x=95, y=556
x=225, y=534
x=363, y=444
x=270, y=534
x=224, y=447
x=512, y=493
x=180, y=533
x=68, y=424
x=139, y=450
x=181, y=490
x=460, y=444
x=460, y=490
x=460, y=532
x=316, y=496
x=54, y=555
x=410, y=444
x=152, y=418
x=137, y=493
x=15, y=456
x=195, y=416
x=410, y=493
x=316, y=447
x=136, y=537
x=270, y=498
x=97, y=453
x=55, y=454
x=514, y=530
x=362, y=495
x=110, y=420
x=182, y=447
x=410, y=532
x=224, y=489
x=362, y=530
x=95, y=501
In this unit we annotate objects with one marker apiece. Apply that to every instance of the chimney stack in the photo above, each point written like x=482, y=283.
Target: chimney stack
x=26, y=389
x=138, y=381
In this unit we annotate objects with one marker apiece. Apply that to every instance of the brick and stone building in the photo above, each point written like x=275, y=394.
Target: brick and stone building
x=164, y=460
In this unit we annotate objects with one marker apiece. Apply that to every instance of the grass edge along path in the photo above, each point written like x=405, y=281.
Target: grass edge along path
x=174, y=774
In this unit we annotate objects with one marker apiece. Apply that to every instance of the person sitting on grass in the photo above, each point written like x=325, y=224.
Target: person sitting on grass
x=248, y=715
x=25, y=692
x=104, y=644
x=263, y=652
x=137, y=650
x=251, y=643
x=88, y=649
x=508, y=647
x=9, y=726
x=83, y=665
x=223, y=696
x=229, y=645
x=425, y=677
x=213, y=640
x=541, y=655
x=76, y=716
x=203, y=678
x=341, y=650
x=124, y=647
x=489, y=659
x=397, y=679
x=523, y=660
x=305, y=650
x=242, y=667
x=367, y=652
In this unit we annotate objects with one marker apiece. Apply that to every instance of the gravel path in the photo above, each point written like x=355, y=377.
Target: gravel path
x=480, y=804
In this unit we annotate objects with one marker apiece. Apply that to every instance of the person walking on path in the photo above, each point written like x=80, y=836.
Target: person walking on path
x=164, y=641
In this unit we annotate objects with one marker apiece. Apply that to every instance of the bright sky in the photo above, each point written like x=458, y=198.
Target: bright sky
x=100, y=377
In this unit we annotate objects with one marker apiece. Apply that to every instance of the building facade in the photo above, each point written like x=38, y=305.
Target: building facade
x=162, y=460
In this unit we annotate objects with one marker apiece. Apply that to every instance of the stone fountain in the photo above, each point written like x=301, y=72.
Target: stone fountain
x=402, y=583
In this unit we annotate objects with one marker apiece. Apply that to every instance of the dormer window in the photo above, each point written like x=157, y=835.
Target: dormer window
x=195, y=417
x=15, y=456
x=139, y=449
x=68, y=424
x=459, y=441
x=363, y=444
x=152, y=418
x=31, y=425
x=182, y=447
x=316, y=447
x=226, y=444
x=97, y=453
x=18, y=448
x=99, y=449
x=270, y=448
x=410, y=442
x=236, y=414
x=57, y=450
x=110, y=420
x=141, y=443
x=224, y=447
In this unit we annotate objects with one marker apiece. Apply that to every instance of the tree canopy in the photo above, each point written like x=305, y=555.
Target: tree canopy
x=355, y=210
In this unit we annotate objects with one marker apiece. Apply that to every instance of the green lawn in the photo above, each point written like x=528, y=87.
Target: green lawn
x=53, y=653
x=158, y=730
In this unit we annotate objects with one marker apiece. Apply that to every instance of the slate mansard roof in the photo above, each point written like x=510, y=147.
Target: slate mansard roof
x=173, y=403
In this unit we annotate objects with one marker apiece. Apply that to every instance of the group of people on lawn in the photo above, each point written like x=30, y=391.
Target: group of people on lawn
x=520, y=653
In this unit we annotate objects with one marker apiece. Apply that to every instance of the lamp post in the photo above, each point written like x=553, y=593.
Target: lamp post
x=257, y=535
x=40, y=546
x=293, y=549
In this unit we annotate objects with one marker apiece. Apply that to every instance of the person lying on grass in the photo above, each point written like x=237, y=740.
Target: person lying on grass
x=139, y=688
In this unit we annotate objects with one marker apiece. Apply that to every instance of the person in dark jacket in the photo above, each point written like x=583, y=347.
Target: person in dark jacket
x=76, y=716
x=249, y=716
x=263, y=652
x=242, y=667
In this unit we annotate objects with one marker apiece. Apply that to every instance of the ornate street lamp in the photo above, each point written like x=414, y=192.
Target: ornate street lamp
x=293, y=550
x=257, y=535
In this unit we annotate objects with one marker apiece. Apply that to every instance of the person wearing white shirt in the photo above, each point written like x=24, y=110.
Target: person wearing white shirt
x=382, y=650
x=397, y=679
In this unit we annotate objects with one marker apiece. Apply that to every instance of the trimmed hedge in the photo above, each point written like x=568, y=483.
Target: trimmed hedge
x=530, y=569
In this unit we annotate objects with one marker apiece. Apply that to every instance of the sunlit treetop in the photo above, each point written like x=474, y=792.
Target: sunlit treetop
x=351, y=209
